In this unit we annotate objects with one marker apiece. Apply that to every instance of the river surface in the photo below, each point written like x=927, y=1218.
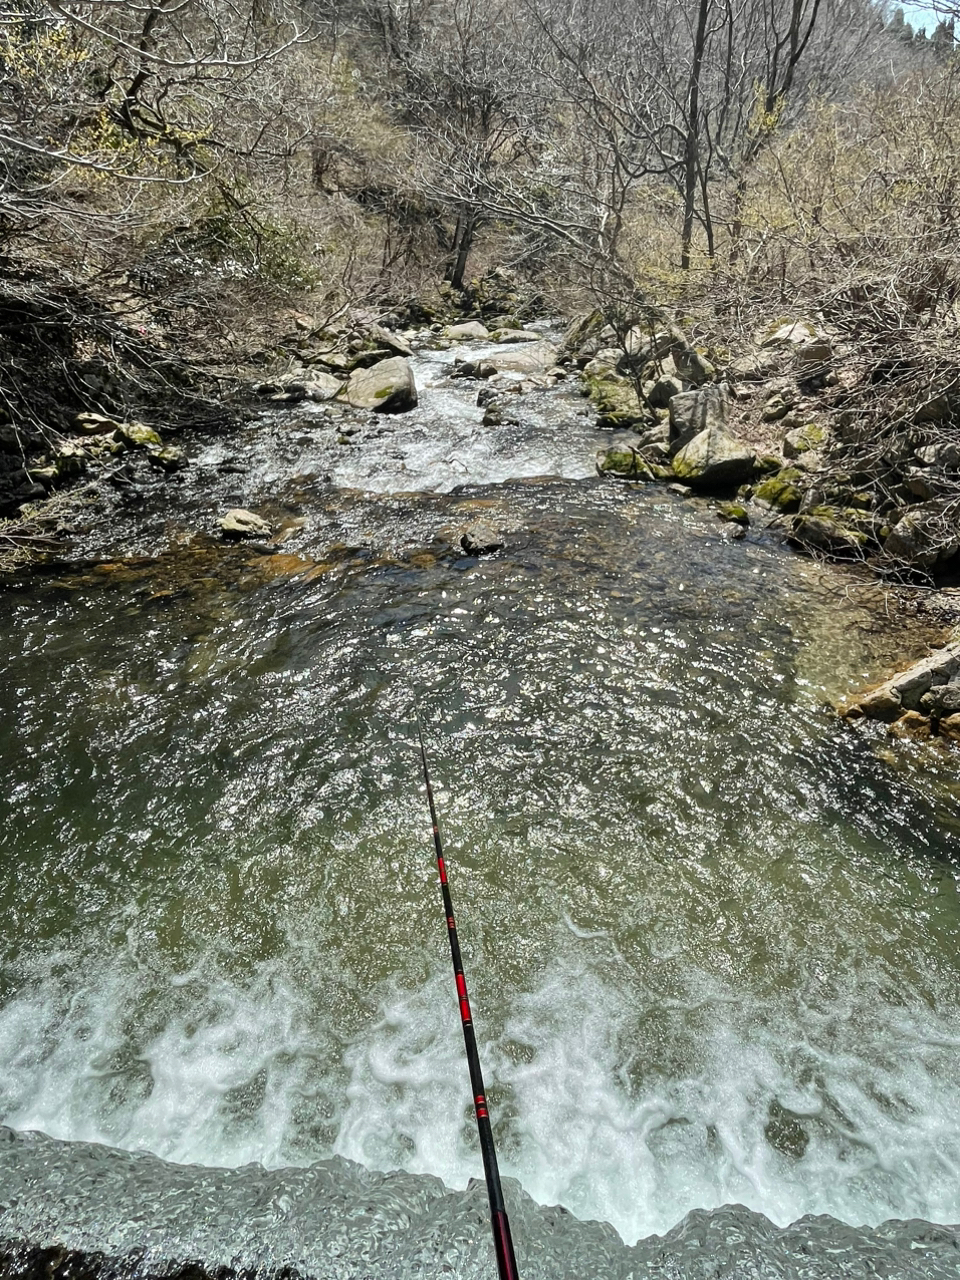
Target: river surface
x=711, y=933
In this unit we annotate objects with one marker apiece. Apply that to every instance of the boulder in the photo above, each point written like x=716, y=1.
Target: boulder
x=138, y=436
x=692, y=366
x=240, y=523
x=880, y=704
x=643, y=344
x=925, y=676
x=389, y=340
x=713, y=460
x=936, y=409
x=387, y=387
x=803, y=440
x=170, y=458
x=950, y=728
x=755, y=368
x=942, y=700
x=470, y=331
x=791, y=334
x=693, y=412
x=734, y=512
x=95, y=424
x=922, y=537
x=813, y=358
x=515, y=335
x=533, y=358
x=911, y=725
x=776, y=406
x=827, y=530
x=945, y=456
x=781, y=491
x=480, y=539
x=660, y=393
x=322, y=386
x=625, y=462
x=70, y=461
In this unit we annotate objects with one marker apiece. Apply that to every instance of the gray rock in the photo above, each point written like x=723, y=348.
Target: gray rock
x=471, y=331
x=239, y=523
x=391, y=341
x=927, y=675
x=923, y=536
x=813, y=357
x=936, y=409
x=532, y=358
x=755, y=368
x=818, y=531
x=793, y=333
x=692, y=366
x=944, y=457
x=941, y=700
x=138, y=435
x=387, y=387
x=881, y=704
x=642, y=344
x=480, y=539
x=95, y=424
x=803, y=440
x=693, y=412
x=662, y=391
x=322, y=387
x=515, y=335
x=713, y=460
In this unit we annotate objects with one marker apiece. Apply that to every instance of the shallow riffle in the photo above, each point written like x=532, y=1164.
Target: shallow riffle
x=711, y=931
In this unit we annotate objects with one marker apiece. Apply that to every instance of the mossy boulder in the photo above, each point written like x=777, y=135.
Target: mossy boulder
x=803, y=440
x=713, y=460
x=615, y=400
x=138, y=436
x=830, y=530
x=624, y=462
x=781, y=491
x=734, y=512
x=169, y=458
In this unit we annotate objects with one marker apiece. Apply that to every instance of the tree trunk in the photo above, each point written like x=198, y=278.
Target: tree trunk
x=691, y=148
x=462, y=244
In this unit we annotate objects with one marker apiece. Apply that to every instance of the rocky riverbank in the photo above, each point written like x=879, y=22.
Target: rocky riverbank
x=790, y=424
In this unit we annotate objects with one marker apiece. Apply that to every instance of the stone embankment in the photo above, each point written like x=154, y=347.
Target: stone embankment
x=921, y=702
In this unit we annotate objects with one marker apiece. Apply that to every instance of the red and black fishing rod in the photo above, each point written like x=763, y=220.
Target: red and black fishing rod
x=502, y=1240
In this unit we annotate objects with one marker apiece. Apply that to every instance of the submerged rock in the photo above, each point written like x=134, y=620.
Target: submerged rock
x=515, y=335
x=386, y=387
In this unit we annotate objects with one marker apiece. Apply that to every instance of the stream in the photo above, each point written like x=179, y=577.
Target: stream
x=711, y=932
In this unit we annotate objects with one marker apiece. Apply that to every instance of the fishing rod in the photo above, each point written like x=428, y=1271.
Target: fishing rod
x=502, y=1240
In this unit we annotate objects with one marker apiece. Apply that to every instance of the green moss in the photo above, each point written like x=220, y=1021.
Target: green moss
x=626, y=464
x=734, y=512
x=781, y=491
x=615, y=399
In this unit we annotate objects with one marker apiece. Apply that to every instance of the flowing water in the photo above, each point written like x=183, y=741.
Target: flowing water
x=711, y=933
